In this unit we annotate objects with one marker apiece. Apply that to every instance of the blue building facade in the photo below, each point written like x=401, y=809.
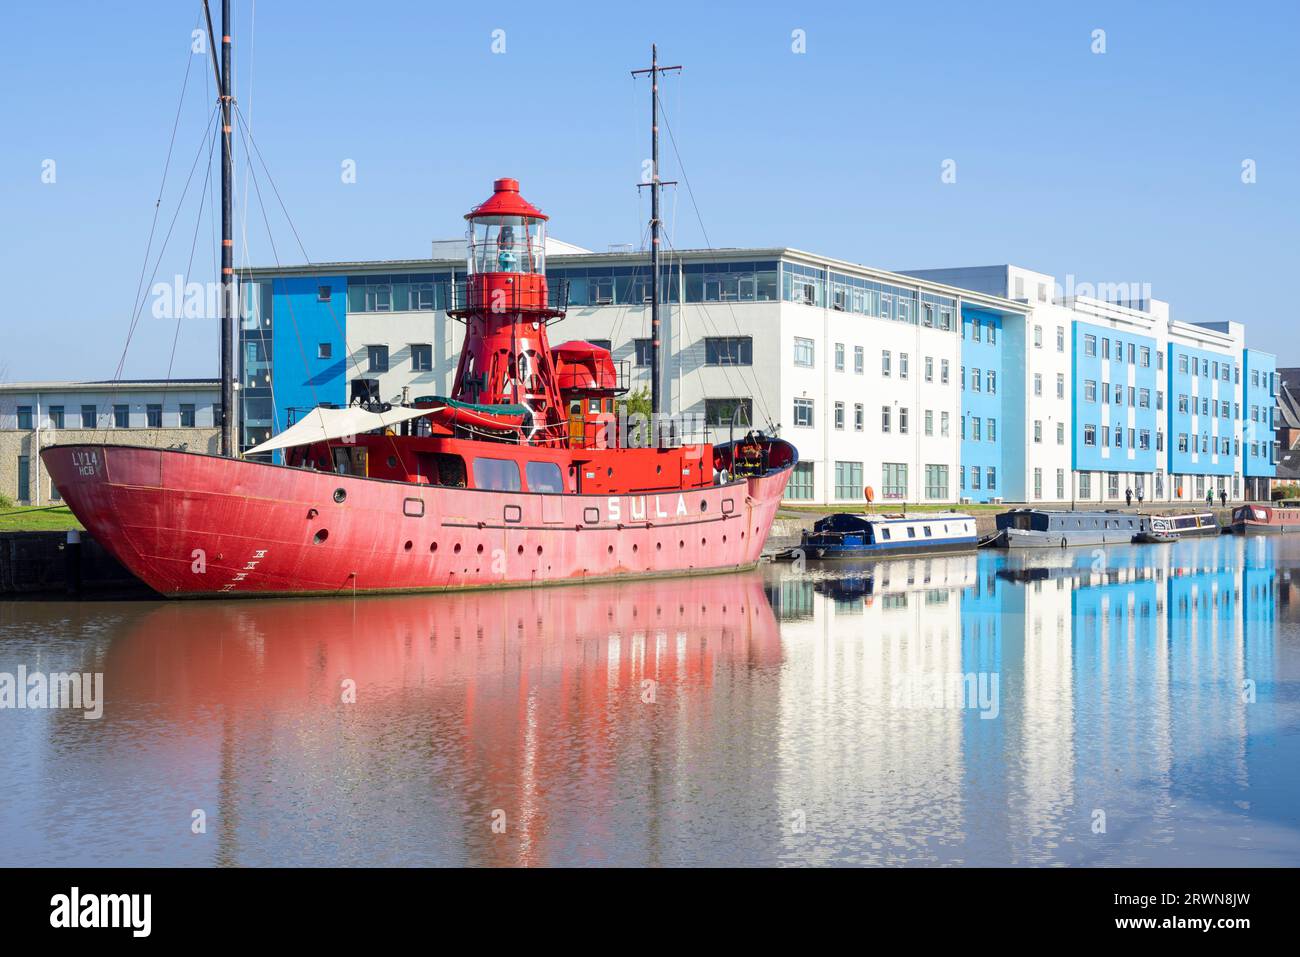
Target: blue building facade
x=1258, y=424
x=1116, y=407
x=1202, y=421
x=982, y=468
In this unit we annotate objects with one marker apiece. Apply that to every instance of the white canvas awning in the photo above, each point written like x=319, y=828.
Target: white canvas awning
x=320, y=425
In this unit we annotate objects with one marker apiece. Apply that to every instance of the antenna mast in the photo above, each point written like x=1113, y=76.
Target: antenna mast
x=654, y=184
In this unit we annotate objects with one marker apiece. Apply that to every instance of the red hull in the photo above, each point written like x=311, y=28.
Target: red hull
x=192, y=525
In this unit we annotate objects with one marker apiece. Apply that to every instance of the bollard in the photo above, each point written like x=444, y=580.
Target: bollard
x=72, y=563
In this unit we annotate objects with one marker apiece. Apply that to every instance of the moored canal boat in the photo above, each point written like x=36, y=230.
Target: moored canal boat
x=846, y=536
x=1186, y=523
x=1046, y=528
x=1282, y=517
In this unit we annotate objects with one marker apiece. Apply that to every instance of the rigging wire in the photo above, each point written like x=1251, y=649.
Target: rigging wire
x=135, y=320
x=157, y=206
x=709, y=245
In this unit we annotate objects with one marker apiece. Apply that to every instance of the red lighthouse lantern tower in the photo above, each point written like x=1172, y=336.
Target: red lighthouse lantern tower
x=506, y=304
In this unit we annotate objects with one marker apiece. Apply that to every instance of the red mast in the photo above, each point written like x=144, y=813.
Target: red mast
x=506, y=358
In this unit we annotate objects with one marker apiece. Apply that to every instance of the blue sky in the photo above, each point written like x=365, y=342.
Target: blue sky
x=1122, y=166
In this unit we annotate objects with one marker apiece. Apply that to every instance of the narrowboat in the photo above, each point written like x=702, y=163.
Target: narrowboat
x=1043, y=528
x=844, y=535
x=1282, y=517
x=1187, y=523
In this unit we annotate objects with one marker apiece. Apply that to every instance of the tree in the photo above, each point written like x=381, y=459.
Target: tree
x=637, y=402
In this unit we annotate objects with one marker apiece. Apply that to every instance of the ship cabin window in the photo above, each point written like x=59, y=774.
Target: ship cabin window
x=928, y=533
x=911, y=531
x=499, y=475
x=884, y=534
x=441, y=468
x=544, y=477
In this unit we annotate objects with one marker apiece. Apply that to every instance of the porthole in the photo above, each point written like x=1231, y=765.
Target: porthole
x=433, y=547
x=635, y=549
x=659, y=546
x=609, y=549
x=340, y=495
x=609, y=471
x=521, y=549
x=392, y=461
x=479, y=549
x=539, y=549
x=681, y=543
x=457, y=548
x=407, y=547
x=320, y=536
x=704, y=505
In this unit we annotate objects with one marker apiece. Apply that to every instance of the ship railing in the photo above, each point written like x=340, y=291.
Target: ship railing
x=464, y=297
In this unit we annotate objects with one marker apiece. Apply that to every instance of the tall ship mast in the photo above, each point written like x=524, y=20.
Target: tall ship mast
x=521, y=476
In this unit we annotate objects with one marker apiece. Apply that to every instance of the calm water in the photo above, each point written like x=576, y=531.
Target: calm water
x=779, y=717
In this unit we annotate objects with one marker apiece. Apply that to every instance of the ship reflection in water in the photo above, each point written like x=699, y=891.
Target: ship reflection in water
x=1135, y=705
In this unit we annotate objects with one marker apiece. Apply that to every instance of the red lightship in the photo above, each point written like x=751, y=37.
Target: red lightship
x=510, y=481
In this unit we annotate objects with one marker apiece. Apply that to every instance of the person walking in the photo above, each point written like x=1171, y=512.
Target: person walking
x=1223, y=497
x=1128, y=496
x=1209, y=498
x=1140, y=496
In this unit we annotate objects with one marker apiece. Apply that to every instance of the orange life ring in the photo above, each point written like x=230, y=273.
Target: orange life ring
x=870, y=495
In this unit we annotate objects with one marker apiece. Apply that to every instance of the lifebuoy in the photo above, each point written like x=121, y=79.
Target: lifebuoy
x=869, y=494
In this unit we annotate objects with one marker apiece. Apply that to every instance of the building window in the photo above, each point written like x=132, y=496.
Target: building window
x=1038, y=384
x=421, y=357
x=975, y=477
x=936, y=482
x=121, y=416
x=943, y=371
x=975, y=380
x=187, y=415
x=1112, y=485
x=88, y=414
x=886, y=362
x=991, y=425
x=848, y=480
x=1085, y=484
x=943, y=424
x=803, y=353
x=801, y=482
x=1038, y=483
x=1060, y=338
x=605, y=344
x=56, y=416
x=643, y=349
x=325, y=350
x=323, y=293
x=729, y=412
x=839, y=357
x=803, y=413
x=1060, y=433
x=24, y=417
x=24, y=478
x=1060, y=484
x=1089, y=390
x=884, y=418
x=1038, y=337
x=929, y=422
x=902, y=365
x=929, y=368
x=378, y=357
x=1089, y=345
x=859, y=359
x=975, y=330
x=902, y=421
x=859, y=417
x=1038, y=431
x=975, y=428
x=1089, y=435
x=839, y=415
x=1146, y=356
x=893, y=480
x=991, y=478
x=729, y=351
x=153, y=416
x=1060, y=385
